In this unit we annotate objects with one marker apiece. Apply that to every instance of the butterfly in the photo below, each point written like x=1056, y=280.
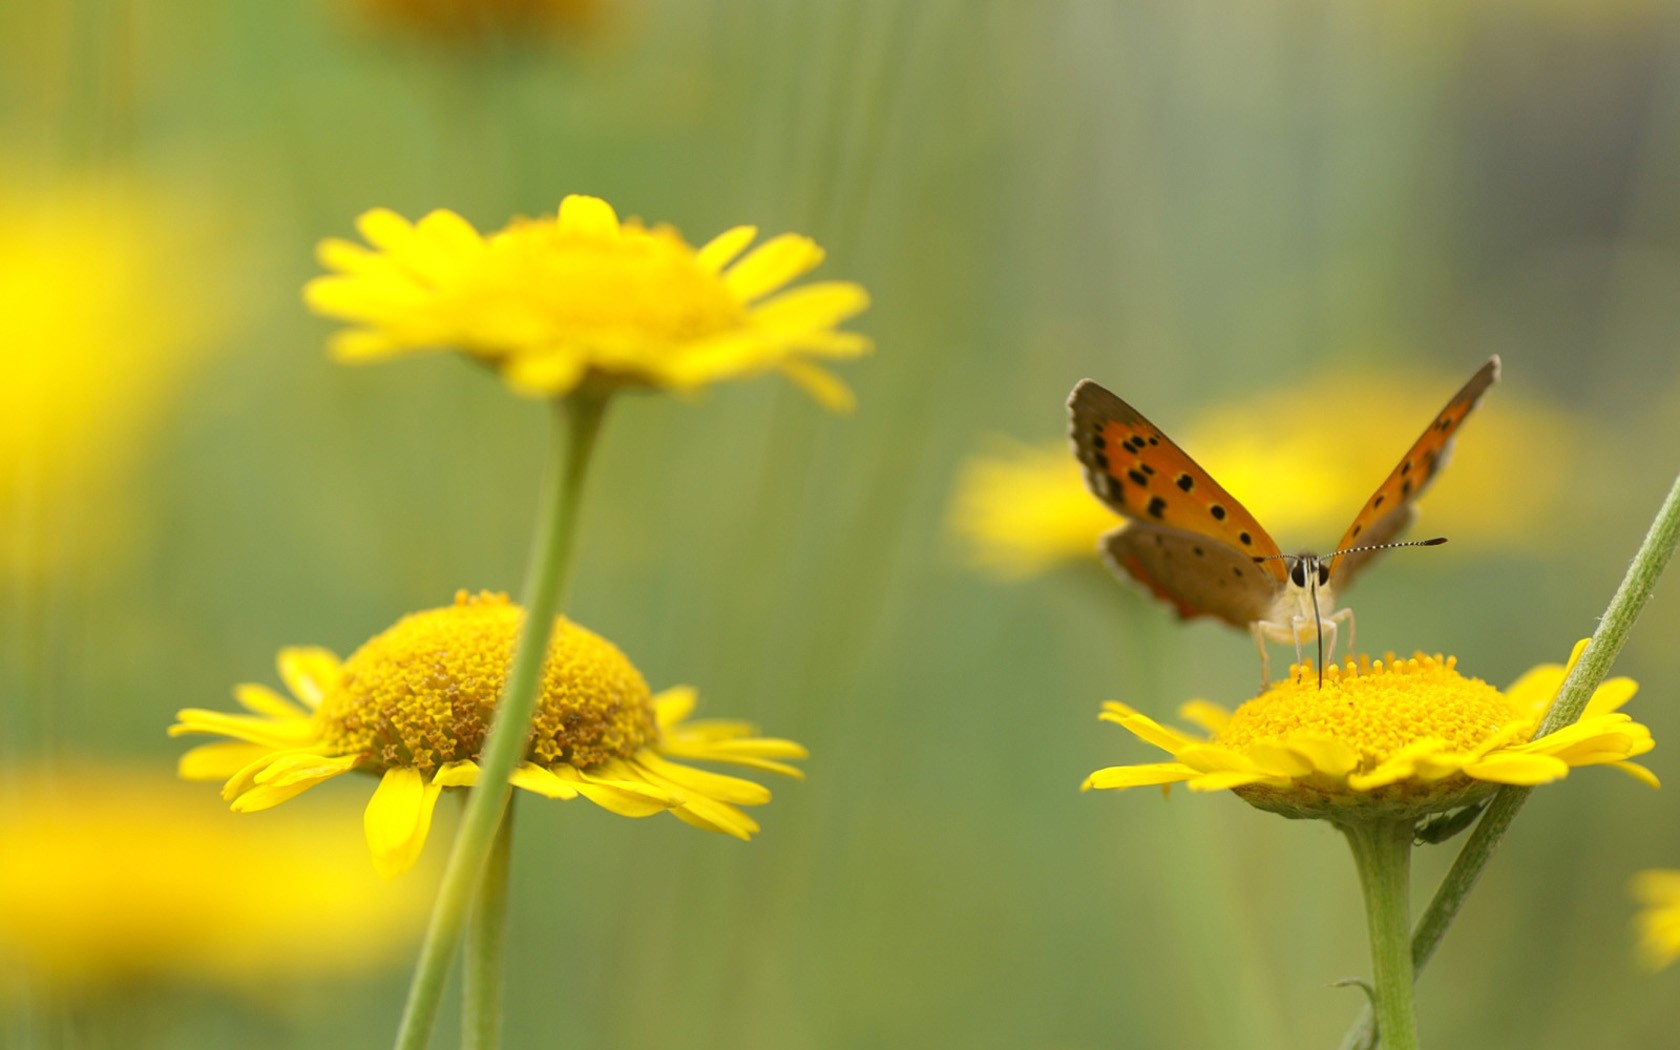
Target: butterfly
x=1192, y=544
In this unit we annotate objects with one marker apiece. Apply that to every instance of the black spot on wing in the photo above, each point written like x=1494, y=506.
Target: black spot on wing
x=1217, y=511
x=1186, y=482
x=1157, y=507
x=1138, y=479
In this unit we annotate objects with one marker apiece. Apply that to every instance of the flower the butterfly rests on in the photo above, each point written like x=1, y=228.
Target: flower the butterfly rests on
x=1192, y=544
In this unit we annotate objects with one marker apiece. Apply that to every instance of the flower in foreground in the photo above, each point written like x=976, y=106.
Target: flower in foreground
x=413, y=706
x=1659, y=923
x=1386, y=739
x=102, y=889
x=1024, y=509
x=554, y=302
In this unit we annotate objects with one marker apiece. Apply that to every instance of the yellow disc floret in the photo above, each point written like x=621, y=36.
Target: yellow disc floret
x=1375, y=711
x=423, y=692
x=1376, y=707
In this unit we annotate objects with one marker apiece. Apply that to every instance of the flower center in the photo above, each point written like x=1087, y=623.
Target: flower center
x=1376, y=707
x=423, y=692
x=611, y=294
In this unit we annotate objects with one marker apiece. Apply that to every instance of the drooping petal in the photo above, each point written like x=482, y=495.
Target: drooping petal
x=397, y=820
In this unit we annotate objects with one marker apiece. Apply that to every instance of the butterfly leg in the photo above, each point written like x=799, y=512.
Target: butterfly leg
x=1331, y=626
x=1258, y=629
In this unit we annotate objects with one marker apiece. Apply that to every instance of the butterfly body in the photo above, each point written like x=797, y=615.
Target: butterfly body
x=1195, y=546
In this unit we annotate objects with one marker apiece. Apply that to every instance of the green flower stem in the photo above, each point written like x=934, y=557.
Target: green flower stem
x=1572, y=699
x=577, y=423
x=1382, y=851
x=481, y=975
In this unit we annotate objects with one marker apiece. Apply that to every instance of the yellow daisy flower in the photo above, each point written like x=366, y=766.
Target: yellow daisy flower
x=414, y=704
x=554, y=302
x=1024, y=510
x=153, y=883
x=1383, y=739
x=1659, y=923
x=99, y=340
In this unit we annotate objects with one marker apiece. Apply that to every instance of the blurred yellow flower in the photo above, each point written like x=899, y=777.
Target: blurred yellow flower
x=155, y=883
x=554, y=302
x=1383, y=739
x=1024, y=510
x=414, y=704
x=1659, y=923
x=1302, y=459
x=102, y=320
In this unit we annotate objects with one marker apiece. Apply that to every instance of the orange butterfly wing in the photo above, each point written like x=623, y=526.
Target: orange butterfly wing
x=1389, y=509
x=1137, y=470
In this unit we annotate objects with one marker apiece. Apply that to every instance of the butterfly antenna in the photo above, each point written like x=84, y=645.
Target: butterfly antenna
x=1436, y=542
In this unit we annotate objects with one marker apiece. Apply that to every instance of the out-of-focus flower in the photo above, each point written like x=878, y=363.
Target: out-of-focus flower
x=1303, y=459
x=1383, y=740
x=555, y=302
x=101, y=323
x=1659, y=923
x=104, y=885
x=413, y=705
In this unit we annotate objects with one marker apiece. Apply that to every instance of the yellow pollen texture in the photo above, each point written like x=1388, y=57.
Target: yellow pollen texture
x=423, y=692
x=1375, y=707
x=602, y=292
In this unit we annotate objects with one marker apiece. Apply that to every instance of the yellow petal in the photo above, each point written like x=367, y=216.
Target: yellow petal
x=1509, y=767
x=1148, y=775
x=721, y=250
x=218, y=761
x=771, y=265
x=583, y=216
x=397, y=819
x=309, y=672
x=261, y=700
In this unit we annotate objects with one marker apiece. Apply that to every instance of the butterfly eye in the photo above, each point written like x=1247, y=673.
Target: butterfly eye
x=1323, y=574
x=1298, y=574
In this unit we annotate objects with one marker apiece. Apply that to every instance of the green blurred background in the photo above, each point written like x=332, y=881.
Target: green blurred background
x=1190, y=202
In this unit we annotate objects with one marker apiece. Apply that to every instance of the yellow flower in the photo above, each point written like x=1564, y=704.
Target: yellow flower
x=1302, y=459
x=98, y=336
x=153, y=882
x=1387, y=738
x=1025, y=510
x=414, y=704
x=555, y=302
x=1659, y=923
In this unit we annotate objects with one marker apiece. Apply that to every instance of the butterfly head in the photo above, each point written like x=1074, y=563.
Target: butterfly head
x=1308, y=570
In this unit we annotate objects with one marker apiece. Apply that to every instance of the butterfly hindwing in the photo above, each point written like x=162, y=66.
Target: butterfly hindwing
x=1138, y=471
x=1199, y=577
x=1389, y=509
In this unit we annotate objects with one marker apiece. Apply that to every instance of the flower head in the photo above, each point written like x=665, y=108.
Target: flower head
x=1659, y=923
x=99, y=336
x=414, y=704
x=153, y=883
x=1384, y=739
x=554, y=302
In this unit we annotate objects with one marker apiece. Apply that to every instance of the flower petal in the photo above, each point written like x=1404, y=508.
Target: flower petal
x=584, y=216
x=397, y=820
x=309, y=672
x=771, y=265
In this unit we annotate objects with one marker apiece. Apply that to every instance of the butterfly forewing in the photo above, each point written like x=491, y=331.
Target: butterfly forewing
x=1137, y=470
x=1389, y=509
x=1199, y=577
